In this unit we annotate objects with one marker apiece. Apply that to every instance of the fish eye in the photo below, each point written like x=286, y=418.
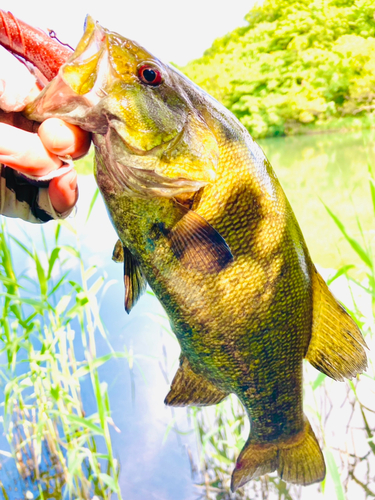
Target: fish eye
x=150, y=75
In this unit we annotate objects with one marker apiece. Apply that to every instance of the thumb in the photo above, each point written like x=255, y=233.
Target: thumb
x=62, y=138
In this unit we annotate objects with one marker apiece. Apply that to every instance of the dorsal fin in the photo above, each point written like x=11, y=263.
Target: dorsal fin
x=188, y=388
x=336, y=347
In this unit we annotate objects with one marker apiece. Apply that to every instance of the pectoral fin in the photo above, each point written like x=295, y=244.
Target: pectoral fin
x=336, y=347
x=134, y=280
x=188, y=388
x=198, y=245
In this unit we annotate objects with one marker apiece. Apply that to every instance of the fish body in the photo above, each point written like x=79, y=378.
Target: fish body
x=202, y=219
x=257, y=310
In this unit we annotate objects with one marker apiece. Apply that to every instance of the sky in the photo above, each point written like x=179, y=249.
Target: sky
x=173, y=30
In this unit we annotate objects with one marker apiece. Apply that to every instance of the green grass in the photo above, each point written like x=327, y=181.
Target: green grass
x=41, y=315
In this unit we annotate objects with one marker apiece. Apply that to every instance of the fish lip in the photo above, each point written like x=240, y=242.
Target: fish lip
x=144, y=183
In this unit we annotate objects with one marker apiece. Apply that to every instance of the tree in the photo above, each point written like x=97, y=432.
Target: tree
x=296, y=63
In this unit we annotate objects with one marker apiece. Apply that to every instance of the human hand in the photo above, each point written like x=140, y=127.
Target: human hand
x=32, y=153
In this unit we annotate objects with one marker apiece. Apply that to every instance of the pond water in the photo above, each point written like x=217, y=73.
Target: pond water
x=332, y=170
x=155, y=463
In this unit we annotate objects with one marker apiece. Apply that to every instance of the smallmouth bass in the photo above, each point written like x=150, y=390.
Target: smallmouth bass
x=203, y=220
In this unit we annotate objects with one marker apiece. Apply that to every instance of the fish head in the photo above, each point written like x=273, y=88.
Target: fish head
x=153, y=135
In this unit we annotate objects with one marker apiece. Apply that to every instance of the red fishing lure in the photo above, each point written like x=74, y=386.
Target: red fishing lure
x=32, y=44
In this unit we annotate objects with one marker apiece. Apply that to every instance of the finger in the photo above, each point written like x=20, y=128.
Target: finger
x=24, y=151
x=63, y=191
x=19, y=121
x=62, y=138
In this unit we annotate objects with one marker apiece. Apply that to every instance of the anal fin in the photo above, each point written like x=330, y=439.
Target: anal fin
x=337, y=346
x=188, y=388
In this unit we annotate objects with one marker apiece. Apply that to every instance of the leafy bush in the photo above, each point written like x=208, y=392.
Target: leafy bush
x=297, y=64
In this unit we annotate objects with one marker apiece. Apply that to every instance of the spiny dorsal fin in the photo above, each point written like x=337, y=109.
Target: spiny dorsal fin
x=188, y=388
x=134, y=280
x=198, y=245
x=336, y=347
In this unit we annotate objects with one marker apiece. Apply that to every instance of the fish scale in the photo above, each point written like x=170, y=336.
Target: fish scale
x=202, y=219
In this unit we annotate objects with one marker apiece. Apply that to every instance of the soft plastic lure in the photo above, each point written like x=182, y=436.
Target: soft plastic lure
x=33, y=45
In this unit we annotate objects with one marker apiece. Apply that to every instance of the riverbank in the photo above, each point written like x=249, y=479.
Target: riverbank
x=336, y=125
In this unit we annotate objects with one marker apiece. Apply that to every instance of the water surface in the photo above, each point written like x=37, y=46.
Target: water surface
x=330, y=169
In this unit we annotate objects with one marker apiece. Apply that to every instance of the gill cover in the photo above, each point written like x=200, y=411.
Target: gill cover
x=156, y=142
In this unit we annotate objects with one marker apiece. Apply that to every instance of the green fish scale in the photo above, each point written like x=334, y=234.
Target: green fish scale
x=246, y=328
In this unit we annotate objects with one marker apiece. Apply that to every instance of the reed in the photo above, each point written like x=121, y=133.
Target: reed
x=44, y=311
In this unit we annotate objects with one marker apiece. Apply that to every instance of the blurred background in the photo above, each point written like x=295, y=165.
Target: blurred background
x=84, y=383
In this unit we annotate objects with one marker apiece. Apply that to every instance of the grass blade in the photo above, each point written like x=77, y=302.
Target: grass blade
x=93, y=200
x=335, y=475
x=362, y=254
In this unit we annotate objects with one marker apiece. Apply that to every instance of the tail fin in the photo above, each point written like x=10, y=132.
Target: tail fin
x=298, y=460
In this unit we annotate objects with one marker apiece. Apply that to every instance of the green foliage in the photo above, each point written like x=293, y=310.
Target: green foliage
x=297, y=63
x=364, y=249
